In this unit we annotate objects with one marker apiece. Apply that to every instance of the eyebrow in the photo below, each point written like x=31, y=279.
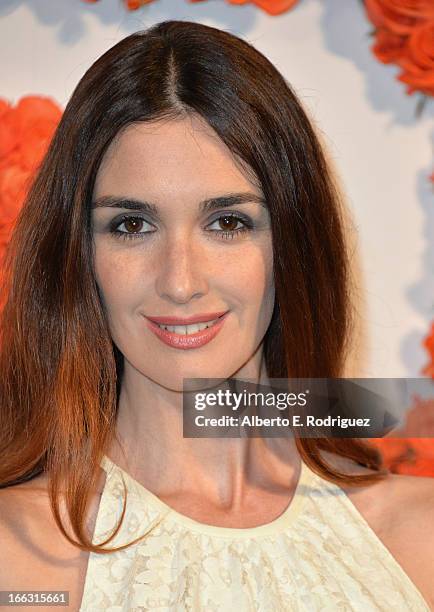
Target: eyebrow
x=205, y=206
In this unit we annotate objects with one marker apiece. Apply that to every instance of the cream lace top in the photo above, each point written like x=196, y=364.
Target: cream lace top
x=319, y=555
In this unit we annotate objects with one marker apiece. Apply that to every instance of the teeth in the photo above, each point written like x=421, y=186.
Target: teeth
x=188, y=329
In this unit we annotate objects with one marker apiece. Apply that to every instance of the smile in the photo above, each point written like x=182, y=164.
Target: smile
x=189, y=336
x=188, y=329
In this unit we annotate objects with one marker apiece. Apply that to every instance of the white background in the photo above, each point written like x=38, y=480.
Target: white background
x=382, y=152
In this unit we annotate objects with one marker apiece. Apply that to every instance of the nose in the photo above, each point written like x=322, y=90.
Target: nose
x=182, y=271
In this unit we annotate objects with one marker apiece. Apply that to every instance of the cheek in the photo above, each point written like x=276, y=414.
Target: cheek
x=258, y=272
x=116, y=278
x=253, y=279
x=268, y=291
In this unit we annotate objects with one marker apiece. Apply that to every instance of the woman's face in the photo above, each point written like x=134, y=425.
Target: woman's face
x=181, y=231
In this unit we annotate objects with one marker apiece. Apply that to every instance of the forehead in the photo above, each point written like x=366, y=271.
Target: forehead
x=170, y=157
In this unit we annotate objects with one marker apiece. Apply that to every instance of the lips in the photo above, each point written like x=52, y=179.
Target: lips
x=206, y=316
x=187, y=341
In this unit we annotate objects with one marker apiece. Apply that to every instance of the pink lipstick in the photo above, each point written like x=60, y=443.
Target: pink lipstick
x=187, y=338
x=200, y=318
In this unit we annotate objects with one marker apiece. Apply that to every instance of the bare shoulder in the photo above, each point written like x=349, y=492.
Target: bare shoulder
x=400, y=511
x=25, y=516
x=35, y=554
x=22, y=506
x=395, y=502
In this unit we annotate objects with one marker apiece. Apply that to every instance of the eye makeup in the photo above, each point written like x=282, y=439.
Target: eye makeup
x=239, y=224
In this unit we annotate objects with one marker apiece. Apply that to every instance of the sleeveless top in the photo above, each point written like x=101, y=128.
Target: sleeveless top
x=319, y=555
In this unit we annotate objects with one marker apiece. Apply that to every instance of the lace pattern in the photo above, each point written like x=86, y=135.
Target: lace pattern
x=320, y=555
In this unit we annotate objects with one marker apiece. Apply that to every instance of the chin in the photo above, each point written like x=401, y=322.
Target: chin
x=206, y=376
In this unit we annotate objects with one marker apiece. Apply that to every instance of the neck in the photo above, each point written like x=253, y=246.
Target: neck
x=151, y=446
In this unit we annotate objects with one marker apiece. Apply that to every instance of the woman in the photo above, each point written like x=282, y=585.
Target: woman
x=185, y=184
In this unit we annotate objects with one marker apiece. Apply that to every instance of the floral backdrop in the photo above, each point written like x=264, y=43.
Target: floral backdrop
x=402, y=34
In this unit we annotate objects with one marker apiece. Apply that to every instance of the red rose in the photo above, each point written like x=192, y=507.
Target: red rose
x=25, y=133
x=429, y=343
x=399, y=16
x=275, y=7
x=133, y=5
x=419, y=466
x=26, y=130
x=388, y=47
x=392, y=449
x=413, y=451
x=418, y=61
x=272, y=7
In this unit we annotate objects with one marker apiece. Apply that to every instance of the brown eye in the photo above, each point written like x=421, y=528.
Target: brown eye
x=133, y=224
x=130, y=226
x=228, y=222
x=228, y=226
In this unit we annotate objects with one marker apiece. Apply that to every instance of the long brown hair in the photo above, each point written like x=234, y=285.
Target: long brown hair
x=60, y=370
